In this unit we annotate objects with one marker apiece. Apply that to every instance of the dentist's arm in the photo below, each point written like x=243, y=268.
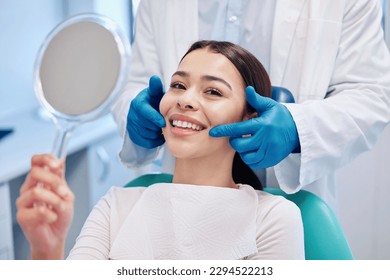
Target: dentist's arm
x=273, y=134
x=144, y=121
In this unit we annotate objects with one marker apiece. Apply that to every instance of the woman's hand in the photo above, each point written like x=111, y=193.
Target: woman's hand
x=45, y=207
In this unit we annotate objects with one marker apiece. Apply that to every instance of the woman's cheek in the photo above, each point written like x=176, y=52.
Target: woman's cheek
x=164, y=104
x=226, y=115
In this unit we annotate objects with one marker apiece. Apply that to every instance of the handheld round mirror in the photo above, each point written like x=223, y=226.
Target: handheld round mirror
x=80, y=69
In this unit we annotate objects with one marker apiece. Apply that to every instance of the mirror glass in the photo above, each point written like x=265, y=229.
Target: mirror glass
x=80, y=69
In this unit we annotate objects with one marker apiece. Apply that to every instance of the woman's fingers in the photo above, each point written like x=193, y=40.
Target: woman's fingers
x=45, y=204
x=30, y=217
x=46, y=173
x=45, y=187
x=37, y=196
x=47, y=160
x=42, y=176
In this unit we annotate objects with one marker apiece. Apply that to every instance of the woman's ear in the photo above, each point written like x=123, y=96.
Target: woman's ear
x=249, y=116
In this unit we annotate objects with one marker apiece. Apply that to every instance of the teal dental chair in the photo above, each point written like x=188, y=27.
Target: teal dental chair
x=324, y=236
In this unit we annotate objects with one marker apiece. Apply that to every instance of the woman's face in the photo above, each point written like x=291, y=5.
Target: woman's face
x=205, y=91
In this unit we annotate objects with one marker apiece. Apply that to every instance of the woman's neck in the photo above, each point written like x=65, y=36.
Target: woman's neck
x=210, y=171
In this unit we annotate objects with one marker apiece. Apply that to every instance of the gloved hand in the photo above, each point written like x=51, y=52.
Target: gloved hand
x=273, y=134
x=144, y=121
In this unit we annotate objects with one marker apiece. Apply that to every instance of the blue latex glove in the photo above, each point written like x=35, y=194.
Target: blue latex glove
x=144, y=121
x=273, y=133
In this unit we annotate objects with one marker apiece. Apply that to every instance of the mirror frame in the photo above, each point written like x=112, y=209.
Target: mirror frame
x=124, y=53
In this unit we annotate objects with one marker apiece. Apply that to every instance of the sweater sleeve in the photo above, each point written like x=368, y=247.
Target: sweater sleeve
x=103, y=224
x=279, y=230
x=94, y=239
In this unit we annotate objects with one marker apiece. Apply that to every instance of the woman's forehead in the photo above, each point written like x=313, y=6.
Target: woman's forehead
x=206, y=62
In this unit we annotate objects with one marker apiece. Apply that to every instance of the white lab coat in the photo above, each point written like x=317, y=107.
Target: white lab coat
x=330, y=54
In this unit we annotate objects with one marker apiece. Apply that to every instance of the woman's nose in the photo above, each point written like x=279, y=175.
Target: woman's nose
x=187, y=101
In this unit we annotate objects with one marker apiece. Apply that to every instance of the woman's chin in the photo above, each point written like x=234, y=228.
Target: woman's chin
x=184, y=150
x=183, y=154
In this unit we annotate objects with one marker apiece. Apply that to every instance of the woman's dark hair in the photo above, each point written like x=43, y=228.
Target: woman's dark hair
x=253, y=74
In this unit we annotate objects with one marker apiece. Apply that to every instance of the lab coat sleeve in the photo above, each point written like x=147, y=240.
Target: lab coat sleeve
x=335, y=130
x=144, y=63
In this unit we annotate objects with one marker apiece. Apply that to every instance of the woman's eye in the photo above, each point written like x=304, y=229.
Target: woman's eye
x=177, y=85
x=214, y=92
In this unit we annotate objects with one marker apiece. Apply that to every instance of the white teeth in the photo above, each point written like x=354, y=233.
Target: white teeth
x=185, y=124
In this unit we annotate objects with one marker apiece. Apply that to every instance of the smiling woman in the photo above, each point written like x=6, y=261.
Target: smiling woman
x=208, y=89
x=206, y=213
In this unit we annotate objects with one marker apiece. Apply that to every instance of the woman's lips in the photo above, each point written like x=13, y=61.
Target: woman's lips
x=185, y=125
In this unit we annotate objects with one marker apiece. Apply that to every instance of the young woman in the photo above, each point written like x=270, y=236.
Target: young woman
x=208, y=212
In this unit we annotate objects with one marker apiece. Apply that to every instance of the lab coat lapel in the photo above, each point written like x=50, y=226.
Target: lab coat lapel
x=187, y=32
x=176, y=38
x=287, y=13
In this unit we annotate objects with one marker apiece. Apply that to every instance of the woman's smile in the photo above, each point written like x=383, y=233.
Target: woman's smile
x=182, y=125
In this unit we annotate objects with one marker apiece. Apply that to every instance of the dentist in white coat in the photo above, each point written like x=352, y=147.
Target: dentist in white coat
x=330, y=54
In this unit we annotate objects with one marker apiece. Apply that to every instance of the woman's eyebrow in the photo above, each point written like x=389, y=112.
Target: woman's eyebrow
x=213, y=78
x=204, y=77
x=181, y=73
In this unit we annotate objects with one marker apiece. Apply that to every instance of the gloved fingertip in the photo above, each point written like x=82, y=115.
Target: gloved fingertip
x=250, y=94
x=214, y=132
x=158, y=119
x=156, y=86
x=250, y=89
x=162, y=123
x=257, y=101
x=154, y=79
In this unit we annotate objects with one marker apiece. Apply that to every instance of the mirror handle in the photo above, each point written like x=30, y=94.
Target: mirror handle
x=64, y=131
